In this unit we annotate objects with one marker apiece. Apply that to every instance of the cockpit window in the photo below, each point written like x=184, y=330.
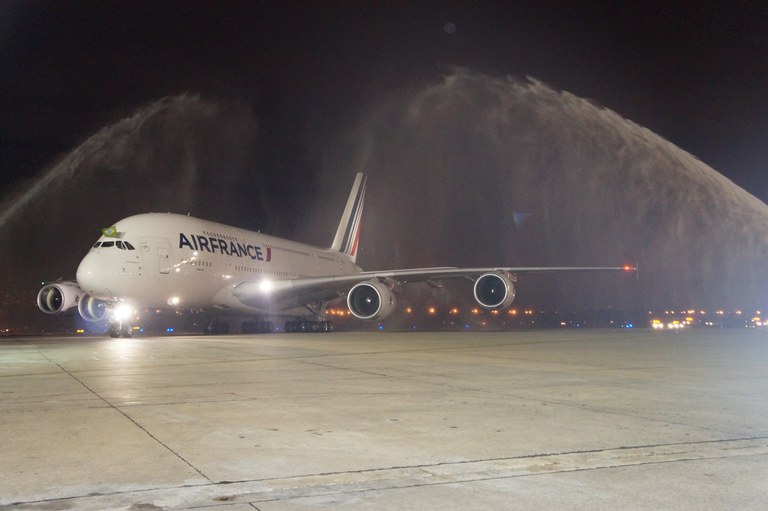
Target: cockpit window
x=122, y=245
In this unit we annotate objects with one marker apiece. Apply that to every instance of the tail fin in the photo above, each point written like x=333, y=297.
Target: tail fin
x=348, y=233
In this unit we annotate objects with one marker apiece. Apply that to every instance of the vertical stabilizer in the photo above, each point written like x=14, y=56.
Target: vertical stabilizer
x=348, y=234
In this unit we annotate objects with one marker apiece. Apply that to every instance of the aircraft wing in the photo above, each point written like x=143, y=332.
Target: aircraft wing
x=282, y=292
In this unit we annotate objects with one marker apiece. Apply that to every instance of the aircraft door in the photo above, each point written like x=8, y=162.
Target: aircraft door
x=164, y=260
x=157, y=255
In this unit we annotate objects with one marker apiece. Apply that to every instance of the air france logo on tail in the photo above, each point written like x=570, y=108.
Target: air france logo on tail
x=217, y=245
x=352, y=237
x=347, y=238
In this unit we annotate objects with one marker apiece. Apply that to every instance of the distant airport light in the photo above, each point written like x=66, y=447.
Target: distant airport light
x=174, y=301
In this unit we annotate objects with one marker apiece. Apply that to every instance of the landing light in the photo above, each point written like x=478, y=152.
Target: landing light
x=122, y=312
x=265, y=286
x=173, y=301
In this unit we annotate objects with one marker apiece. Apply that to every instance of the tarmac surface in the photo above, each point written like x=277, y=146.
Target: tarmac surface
x=560, y=419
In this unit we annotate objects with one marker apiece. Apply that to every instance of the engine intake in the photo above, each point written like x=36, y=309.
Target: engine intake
x=494, y=291
x=371, y=300
x=92, y=309
x=59, y=298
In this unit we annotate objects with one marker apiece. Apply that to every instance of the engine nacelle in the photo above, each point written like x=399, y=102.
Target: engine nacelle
x=92, y=309
x=371, y=300
x=59, y=298
x=494, y=291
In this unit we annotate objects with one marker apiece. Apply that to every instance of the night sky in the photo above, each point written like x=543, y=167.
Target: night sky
x=696, y=73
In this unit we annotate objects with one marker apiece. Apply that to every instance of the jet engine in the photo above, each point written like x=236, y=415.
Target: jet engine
x=371, y=300
x=494, y=291
x=92, y=309
x=59, y=298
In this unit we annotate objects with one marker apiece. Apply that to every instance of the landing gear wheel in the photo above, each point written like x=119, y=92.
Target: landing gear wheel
x=119, y=329
x=302, y=326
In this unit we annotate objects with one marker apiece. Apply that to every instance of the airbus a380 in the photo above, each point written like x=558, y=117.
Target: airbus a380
x=164, y=260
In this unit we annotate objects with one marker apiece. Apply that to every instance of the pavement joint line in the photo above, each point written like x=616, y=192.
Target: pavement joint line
x=198, y=496
x=597, y=409
x=131, y=419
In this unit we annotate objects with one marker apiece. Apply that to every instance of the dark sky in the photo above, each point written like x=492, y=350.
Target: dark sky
x=694, y=72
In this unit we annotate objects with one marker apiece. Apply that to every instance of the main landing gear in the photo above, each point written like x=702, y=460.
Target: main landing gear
x=302, y=325
x=246, y=327
x=267, y=327
x=257, y=327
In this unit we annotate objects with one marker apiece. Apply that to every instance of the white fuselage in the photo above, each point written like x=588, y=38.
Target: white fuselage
x=166, y=260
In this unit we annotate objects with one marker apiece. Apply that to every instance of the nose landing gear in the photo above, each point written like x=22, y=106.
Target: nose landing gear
x=119, y=329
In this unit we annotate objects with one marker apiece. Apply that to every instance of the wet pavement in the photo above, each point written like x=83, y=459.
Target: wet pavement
x=573, y=419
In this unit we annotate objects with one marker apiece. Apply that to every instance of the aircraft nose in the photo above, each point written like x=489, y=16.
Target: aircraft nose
x=92, y=275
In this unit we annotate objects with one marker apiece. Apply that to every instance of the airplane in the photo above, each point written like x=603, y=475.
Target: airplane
x=178, y=262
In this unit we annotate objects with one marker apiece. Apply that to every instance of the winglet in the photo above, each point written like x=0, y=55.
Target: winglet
x=348, y=234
